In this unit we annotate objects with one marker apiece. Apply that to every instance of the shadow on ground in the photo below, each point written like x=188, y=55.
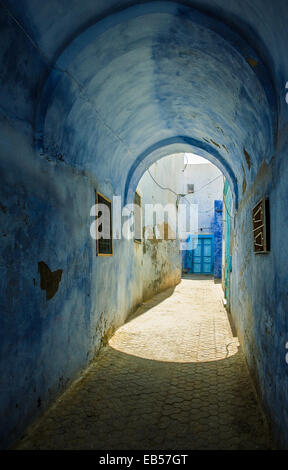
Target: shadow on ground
x=191, y=390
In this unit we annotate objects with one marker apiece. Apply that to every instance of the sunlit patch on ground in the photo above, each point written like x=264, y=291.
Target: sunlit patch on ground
x=189, y=326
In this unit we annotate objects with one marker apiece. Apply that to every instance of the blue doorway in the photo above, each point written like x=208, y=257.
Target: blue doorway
x=199, y=259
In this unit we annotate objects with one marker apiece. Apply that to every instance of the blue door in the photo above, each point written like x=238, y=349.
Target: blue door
x=200, y=259
x=207, y=258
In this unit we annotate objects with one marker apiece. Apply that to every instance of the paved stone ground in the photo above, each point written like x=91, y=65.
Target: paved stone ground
x=173, y=377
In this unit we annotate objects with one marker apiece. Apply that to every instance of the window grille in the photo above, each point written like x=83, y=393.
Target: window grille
x=261, y=226
x=104, y=237
x=137, y=218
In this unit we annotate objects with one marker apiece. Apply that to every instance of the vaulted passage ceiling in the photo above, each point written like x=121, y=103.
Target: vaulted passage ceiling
x=153, y=79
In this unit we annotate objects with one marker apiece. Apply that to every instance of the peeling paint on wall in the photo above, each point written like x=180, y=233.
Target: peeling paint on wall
x=49, y=280
x=248, y=158
x=252, y=61
x=244, y=183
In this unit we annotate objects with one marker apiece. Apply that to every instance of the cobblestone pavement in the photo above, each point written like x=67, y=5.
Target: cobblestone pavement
x=173, y=377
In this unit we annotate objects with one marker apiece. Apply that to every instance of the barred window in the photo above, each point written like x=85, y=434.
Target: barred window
x=261, y=226
x=137, y=218
x=104, y=238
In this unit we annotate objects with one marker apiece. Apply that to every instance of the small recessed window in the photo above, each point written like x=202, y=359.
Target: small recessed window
x=261, y=226
x=190, y=188
x=137, y=218
x=104, y=237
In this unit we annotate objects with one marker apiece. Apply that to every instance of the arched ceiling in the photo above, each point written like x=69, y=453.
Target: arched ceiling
x=154, y=78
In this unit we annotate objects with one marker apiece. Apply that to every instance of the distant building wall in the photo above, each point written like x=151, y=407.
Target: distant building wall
x=208, y=187
x=157, y=262
x=208, y=193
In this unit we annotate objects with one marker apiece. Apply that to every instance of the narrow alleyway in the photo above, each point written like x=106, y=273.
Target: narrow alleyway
x=173, y=377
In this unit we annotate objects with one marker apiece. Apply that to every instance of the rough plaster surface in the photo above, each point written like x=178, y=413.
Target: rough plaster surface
x=113, y=90
x=157, y=260
x=217, y=228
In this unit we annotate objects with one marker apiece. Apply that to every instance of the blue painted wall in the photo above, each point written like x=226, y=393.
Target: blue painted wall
x=187, y=256
x=227, y=221
x=217, y=232
x=106, y=92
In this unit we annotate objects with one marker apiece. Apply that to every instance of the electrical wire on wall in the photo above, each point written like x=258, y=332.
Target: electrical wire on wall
x=163, y=187
x=179, y=194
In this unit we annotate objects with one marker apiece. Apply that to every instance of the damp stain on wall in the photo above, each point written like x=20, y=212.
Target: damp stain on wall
x=49, y=281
